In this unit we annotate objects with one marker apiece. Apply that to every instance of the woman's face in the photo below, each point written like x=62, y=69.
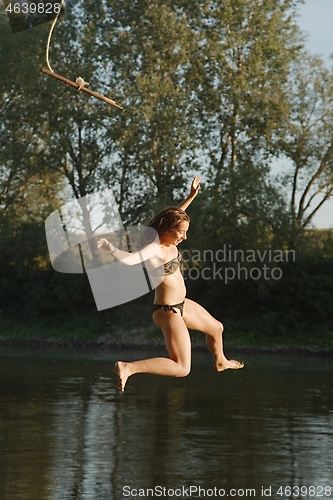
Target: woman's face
x=178, y=234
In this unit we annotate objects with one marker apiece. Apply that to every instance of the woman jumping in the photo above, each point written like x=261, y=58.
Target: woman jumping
x=172, y=311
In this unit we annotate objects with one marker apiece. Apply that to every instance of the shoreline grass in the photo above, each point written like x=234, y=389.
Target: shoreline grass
x=128, y=332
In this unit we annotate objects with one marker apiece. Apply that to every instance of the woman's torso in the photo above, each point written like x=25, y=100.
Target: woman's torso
x=172, y=288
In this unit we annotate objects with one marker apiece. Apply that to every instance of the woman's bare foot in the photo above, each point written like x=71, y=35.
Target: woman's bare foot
x=232, y=364
x=123, y=373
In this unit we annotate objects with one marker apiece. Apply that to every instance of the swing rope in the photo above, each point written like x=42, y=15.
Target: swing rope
x=50, y=36
x=79, y=83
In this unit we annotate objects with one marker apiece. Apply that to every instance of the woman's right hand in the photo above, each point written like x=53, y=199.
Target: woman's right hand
x=105, y=244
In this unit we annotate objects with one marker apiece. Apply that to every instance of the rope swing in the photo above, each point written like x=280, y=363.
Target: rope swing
x=79, y=84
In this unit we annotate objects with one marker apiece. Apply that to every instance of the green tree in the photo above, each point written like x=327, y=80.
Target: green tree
x=26, y=186
x=307, y=141
x=246, y=51
x=151, y=48
x=73, y=131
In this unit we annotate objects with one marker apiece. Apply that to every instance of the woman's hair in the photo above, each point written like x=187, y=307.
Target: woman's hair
x=165, y=221
x=168, y=219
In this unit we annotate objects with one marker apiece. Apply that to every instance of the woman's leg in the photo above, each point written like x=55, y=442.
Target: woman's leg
x=178, y=343
x=197, y=318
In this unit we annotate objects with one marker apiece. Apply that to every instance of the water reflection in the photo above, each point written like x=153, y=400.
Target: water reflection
x=67, y=433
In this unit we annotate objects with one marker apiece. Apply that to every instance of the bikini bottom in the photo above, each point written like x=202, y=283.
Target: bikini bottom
x=167, y=307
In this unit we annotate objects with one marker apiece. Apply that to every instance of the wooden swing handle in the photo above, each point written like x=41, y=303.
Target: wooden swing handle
x=83, y=89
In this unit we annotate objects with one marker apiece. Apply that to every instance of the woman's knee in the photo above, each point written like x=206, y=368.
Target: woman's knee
x=218, y=329
x=183, y=370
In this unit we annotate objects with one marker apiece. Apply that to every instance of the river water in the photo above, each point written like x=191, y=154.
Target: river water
x=66, y=432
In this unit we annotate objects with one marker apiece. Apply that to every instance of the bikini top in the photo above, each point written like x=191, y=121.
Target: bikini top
x=172, y=266
x=168, y=268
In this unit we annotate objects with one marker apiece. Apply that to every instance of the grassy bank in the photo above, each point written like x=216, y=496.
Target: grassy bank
x=132, y=326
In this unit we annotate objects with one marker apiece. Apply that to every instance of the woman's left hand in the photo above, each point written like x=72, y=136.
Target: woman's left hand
x=195, y=186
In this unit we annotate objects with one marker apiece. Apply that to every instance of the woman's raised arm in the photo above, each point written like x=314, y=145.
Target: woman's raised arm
x=195, y=186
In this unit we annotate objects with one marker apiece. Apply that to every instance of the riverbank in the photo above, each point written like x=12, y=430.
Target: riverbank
x=98, y=344
x=86, y=333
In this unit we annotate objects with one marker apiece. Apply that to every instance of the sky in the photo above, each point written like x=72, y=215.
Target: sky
x=316, y=18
